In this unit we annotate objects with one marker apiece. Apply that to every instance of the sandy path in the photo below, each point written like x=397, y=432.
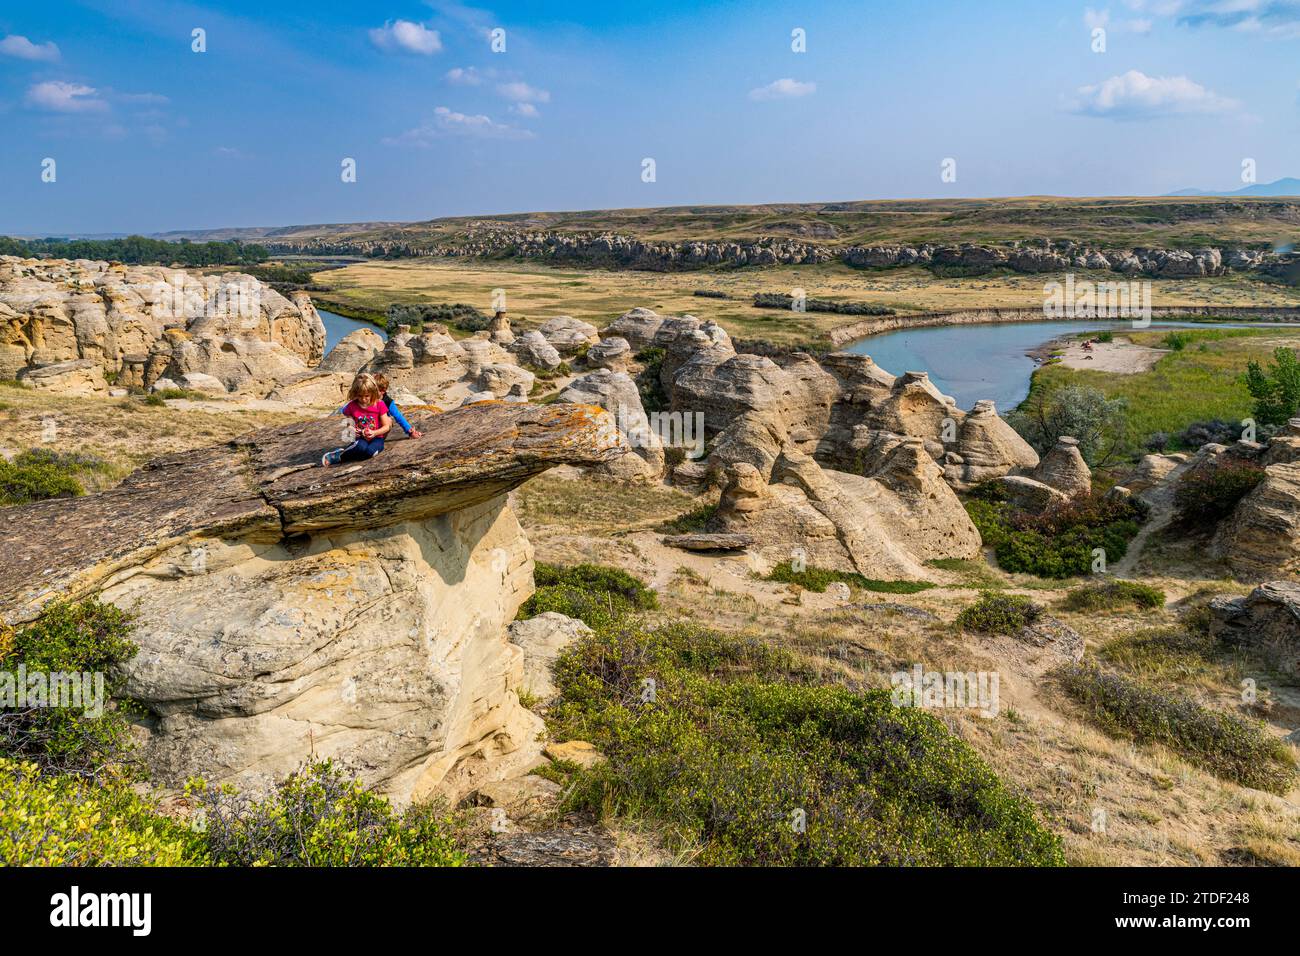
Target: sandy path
x=1119, y=356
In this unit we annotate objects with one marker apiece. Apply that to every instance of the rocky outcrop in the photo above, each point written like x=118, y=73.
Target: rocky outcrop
x=1030, y=495
x=617, y=394
x=883, y=526
x=613, y=249
x=986, y=448
x=284, y=610
x=1261, y=538
x=568, y=335
x=613, y=353
x=353, y=352
x=532, y=348
x=542, y=639
x=147, y=322
x=1267, y=619
x=78, y=378
x=1064, y=469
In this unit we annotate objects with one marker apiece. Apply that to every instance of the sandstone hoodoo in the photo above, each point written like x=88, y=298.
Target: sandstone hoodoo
x=284, y=610
x=141, y=324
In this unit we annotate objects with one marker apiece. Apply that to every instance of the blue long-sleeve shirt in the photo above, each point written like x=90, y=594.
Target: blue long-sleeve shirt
x=393, y=410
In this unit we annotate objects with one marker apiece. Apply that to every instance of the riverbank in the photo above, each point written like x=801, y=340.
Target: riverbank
x=1121, y=356
x=874, y=326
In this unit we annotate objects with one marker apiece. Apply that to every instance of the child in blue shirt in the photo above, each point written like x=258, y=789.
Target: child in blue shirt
x=382, y=381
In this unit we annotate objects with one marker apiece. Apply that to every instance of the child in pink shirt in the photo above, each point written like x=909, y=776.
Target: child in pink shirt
x=370, y=418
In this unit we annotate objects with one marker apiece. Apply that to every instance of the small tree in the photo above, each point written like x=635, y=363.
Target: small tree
x=1080, y=411
x=1277, y=390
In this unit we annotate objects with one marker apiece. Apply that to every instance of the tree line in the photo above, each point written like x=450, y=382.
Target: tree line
x=137, y=250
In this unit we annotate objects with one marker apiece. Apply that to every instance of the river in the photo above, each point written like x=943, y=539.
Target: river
x=337, y=326
x=986, y=360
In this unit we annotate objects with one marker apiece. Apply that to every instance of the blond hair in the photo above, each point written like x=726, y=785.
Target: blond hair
x=364, y=387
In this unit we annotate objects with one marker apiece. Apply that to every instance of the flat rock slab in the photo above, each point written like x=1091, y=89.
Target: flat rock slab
x=269, y=484
x=722, y=541
x=559, y=847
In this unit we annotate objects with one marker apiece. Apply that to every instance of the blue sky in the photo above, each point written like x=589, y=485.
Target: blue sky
x=148, y=135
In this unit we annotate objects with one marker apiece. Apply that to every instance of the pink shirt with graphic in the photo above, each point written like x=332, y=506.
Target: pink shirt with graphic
x=366, y=416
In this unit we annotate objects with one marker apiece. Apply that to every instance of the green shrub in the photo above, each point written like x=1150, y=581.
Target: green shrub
x=320, y=817
x=1114, y=594
x=38, y=474
x=648, y=383
x=65, y=821
x=1059, y=542
x=1226, y=745
x=816, y=579
x=1176, y=654
x=1276, y=390
x=89, y=637
x=1106, y=336
x=597, y=595
x=598, y=577
x=996, y=613
x=1209, y=494
x=460, y=316
x=697, y=519
x=739, y=757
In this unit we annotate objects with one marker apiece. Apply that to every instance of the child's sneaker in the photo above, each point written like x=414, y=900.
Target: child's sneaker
x=332, y=457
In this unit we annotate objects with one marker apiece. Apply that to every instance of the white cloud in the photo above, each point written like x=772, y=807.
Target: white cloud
x=784, y=89
x=1134, y=95
x=60, y=97
x=464, y=76
x=1100, y=19
x=525, y=109
x=404, y=35
x=25, y=49
x=449, y=122
x=521, y=92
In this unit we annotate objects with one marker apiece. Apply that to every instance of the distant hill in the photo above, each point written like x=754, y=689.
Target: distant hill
x=1290, y=186
x=1169, y=222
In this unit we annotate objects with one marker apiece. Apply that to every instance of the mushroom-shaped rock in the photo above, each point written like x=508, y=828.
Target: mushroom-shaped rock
x=988, y=448
x=283, y=609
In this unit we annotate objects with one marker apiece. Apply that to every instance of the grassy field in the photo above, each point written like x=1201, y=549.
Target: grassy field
x=534, y=293
x=1201, y=381
x=1110, y=221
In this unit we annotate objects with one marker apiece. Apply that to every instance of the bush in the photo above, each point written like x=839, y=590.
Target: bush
x=461, y=316
x=697, y=519
x=817, y=579
x=1276, y=390
x=1059, y=542
x=600, y=578
x=996, y=613
x=1157, y=442
x=65, y=821
x=745, y=761
x=1114, y=594
x=1211, y=493
x=320, y=817
x=39, y=473
x=1225, y=745
x=597, y=595
x=1098, y=422
x=648, y=383
x=1214, y=430
x=73, y=638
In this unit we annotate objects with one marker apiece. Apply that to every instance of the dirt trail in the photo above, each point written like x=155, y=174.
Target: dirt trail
x=1160, y=498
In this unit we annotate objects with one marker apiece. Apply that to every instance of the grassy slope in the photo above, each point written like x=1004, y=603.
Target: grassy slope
x=1200, y=382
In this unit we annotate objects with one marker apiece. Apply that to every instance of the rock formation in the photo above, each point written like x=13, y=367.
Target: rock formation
x=1267, y=619
x=283, y=609
x=1261, y=538
x=1064, y=469
x=986, y=448
x=885, y=526
x=617, y=394
x=143, y=323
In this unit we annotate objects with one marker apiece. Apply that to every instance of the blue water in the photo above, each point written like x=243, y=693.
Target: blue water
x=970, y=362
x=338, y=326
